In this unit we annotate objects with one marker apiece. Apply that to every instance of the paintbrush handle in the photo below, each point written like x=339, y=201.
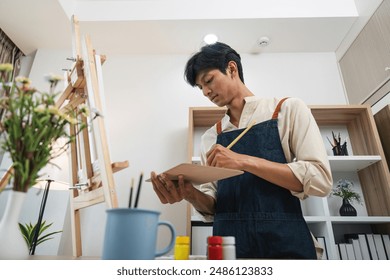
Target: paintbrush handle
x=138, y=191
x=131, y=197
x=241, y=134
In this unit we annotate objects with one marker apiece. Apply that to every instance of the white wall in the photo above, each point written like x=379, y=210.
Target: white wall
x=146, y=114
x=313, y=77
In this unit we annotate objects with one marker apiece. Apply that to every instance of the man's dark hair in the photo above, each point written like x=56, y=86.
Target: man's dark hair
x=214, y=56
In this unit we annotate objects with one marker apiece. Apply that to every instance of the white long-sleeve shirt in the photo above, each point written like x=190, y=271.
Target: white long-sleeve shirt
x=301, y=142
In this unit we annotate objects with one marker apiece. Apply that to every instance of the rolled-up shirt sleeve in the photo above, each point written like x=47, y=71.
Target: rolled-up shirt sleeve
x=308, y=159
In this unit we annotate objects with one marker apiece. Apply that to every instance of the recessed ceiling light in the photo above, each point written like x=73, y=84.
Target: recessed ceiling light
x=210, y=39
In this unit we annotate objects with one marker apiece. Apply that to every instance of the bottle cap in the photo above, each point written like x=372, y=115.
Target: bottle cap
x=183, y=239
x=228, y=240
x=214, y=240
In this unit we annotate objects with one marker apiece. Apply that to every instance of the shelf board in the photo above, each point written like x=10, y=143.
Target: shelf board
x=360, y=220
x=316, y=219
x=348, y=220
x=351, y=163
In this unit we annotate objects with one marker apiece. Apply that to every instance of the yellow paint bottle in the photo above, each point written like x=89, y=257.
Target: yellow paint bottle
x=182, y=248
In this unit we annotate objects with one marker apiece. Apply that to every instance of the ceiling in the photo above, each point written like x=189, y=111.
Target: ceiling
x=178, y=26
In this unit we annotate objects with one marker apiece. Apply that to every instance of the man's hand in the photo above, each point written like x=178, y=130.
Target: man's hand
x=219, y=156
x=169, y=191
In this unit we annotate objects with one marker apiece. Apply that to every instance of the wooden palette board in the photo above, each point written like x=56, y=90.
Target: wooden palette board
x=200, y=174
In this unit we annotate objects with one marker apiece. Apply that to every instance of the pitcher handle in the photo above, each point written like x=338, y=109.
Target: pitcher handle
x=173, y=238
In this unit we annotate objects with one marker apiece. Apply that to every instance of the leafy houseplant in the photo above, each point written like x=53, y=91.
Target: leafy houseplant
x=344, y=189
x=28, y=232
x=31, y=124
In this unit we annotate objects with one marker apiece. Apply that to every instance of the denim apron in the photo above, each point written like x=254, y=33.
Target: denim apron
x=265, y=219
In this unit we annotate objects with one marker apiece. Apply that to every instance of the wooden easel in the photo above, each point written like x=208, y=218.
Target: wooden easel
x=91, y=168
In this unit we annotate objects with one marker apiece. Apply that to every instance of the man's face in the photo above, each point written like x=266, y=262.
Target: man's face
x=216, y=86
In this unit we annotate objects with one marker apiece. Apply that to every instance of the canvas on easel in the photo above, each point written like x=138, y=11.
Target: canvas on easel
x=91, y=167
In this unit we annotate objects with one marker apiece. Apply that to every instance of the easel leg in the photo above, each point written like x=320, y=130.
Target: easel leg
x=76, y=232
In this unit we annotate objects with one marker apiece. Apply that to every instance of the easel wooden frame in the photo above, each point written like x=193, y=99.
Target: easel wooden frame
x=95, y=185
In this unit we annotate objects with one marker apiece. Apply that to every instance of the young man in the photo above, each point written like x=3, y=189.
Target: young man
x=282, y=156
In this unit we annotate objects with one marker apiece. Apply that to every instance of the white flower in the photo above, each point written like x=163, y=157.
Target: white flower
x=6, y=67
x=53, y=110
x=51, y=78
x=40, y=109
x=84, y=109
x=23, y=80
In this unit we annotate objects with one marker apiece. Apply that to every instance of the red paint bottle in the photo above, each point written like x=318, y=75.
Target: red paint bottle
x=214, y=248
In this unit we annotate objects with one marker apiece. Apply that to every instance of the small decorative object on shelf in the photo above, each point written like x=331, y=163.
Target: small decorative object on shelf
x=345, y=191
x=347, y=209
x=338, y=148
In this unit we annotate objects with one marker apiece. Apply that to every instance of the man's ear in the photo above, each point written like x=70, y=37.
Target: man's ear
x=232, y=68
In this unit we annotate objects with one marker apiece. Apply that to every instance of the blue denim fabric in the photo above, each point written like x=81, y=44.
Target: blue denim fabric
x=265, y=219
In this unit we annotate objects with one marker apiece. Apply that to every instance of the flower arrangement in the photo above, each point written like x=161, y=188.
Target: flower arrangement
x=30, y=125
x=344, y=190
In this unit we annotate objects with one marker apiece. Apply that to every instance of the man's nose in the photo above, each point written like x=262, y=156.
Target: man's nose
x=206, y=91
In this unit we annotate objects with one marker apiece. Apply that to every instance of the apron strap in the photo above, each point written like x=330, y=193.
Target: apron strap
x=274, y=115
x=277, y=109
x=219, y=127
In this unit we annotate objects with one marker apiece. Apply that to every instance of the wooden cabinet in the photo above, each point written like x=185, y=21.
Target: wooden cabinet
x=382, y=119
x=365, y=164
x=365, y=66
x=365, y=142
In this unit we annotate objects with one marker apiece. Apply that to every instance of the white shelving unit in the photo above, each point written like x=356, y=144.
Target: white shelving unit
x=365, y=164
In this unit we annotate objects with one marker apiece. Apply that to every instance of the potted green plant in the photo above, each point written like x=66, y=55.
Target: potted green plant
x=344, y=189
x=30, y=125
x=28, y=232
